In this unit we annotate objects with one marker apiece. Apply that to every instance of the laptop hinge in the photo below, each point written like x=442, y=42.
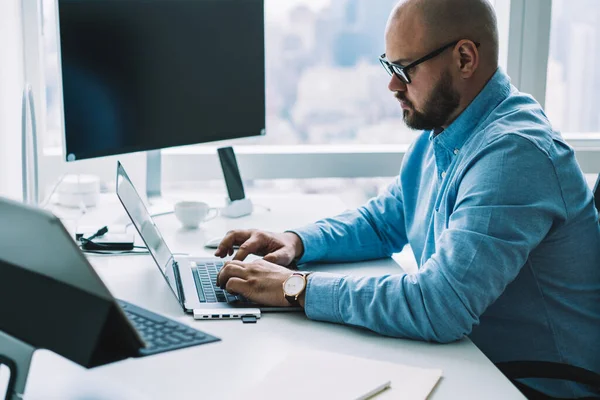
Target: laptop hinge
x=178, y=283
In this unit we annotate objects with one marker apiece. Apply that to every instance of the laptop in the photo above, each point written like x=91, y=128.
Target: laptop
x=193, y=280
x=51, y=297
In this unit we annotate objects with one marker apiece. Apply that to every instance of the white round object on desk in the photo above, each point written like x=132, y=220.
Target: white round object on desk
x=75, y=190
x=79, y=184
x=192, y=213
x=74, y=200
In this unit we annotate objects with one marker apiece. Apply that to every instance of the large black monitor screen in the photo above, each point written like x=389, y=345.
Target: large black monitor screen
x=148, y=74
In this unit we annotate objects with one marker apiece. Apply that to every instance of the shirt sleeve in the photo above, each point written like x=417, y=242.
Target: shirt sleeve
x=372, y=231
x=507, y=200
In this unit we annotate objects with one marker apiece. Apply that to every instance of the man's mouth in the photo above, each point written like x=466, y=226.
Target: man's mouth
x=404, y=104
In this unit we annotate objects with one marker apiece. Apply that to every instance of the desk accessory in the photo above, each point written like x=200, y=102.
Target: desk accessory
x=236, y=204
x=77, y=189
x=325, y=375
x=193, y=213
x=102, y=240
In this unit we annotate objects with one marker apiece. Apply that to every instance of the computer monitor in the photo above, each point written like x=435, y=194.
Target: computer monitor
x=148, y=74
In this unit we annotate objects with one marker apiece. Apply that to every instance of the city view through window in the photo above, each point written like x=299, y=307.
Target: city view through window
x=573, y=84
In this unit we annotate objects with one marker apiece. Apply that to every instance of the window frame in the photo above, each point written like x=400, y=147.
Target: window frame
x=527, y=59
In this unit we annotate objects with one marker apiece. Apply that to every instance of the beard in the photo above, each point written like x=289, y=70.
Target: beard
x=438, y=108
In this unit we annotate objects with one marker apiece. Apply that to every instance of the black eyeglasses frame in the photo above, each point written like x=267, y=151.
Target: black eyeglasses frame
x=401, y=71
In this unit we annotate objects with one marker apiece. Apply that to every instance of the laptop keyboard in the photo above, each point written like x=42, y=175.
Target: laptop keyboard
x=161, y=333
x=205, y=277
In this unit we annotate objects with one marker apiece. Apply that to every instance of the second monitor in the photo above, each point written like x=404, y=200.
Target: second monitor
x=144, y=75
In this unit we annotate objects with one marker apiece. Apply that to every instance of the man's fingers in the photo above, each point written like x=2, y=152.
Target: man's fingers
x=250, y=246
x=232, y=238
x=237, y=286
x=280, y=257
x=230, y=271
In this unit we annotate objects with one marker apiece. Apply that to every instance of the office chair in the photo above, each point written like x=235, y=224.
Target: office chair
x=514, y=370
x=597, y=193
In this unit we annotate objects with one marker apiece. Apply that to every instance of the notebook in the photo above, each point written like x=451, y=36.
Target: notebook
x=309, y=374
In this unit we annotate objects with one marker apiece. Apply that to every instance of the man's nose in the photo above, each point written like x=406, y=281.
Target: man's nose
x=396, y=84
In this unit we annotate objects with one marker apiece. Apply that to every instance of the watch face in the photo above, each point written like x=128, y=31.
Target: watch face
x=293, y=285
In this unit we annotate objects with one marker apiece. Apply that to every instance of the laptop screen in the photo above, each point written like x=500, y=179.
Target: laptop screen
x=143, y=222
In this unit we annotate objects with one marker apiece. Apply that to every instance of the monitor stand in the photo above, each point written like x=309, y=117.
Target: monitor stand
x=153, y=175
x=157, y=204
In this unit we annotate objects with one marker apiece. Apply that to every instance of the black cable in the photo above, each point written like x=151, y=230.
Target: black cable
x=99, y=232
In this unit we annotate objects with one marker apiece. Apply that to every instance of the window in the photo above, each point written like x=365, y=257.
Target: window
x=324, y=86
x=573, y=83
x=324, y=81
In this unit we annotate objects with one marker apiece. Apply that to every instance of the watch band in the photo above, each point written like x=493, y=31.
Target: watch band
x=293, y=300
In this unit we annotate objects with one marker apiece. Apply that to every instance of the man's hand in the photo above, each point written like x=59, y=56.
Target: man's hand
x=259, y=281
x=278, y=248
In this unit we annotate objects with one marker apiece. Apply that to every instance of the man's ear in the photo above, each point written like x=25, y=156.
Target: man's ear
x=468, y=58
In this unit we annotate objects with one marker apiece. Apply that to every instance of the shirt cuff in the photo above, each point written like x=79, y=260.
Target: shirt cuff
x=321, y=302
x=313, y=242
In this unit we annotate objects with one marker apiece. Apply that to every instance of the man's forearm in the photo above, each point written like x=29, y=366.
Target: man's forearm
x=375, y=230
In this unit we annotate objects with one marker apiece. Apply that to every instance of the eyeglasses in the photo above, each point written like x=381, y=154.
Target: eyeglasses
x=401, y=72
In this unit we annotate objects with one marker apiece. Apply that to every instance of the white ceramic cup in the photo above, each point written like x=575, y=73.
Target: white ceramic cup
x=192, y=213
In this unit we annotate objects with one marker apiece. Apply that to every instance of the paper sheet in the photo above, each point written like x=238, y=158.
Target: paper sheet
x=309, y=374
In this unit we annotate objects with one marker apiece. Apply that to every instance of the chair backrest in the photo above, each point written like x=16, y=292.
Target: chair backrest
x=597, y=193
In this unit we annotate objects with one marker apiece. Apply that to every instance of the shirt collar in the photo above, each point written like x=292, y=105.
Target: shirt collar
x=455, y=135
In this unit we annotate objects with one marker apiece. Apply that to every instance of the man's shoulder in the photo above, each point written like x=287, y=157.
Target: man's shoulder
x=520, y=119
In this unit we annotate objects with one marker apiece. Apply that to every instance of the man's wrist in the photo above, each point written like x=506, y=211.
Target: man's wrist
x=297, y=244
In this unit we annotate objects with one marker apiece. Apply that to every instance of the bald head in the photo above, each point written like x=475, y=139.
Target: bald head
x=437, y=22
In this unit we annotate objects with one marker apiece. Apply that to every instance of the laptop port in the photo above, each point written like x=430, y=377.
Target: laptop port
x=226, y=315
x=216, y=316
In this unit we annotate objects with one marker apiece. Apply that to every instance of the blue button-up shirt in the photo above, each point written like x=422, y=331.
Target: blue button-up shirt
x=504, y=231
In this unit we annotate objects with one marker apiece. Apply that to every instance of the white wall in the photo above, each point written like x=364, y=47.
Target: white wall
x=11, y=85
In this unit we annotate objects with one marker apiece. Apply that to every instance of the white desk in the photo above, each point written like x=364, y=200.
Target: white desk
x=247, y=351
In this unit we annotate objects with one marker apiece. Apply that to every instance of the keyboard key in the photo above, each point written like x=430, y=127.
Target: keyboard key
x=172, y=339
x=182, y=337
x=230, y=298
x=181, y=328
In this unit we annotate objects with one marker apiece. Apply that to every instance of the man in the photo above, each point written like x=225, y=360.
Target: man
x=491, y=200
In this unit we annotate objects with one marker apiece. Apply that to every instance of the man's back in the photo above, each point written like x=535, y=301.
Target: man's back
x=551, y=310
